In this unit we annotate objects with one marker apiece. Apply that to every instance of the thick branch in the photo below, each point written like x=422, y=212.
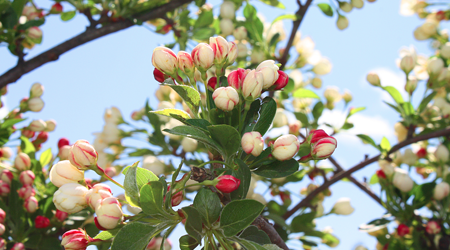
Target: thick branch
x=356, y=182
x=344, y=174
x=296, y=24
x=275, y=238
x=53, y=54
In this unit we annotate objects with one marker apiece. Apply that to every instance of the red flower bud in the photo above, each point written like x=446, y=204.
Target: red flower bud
x=380, y=173
x=63, y=142
x=422, y=153
x=18, y=246
x=41, y=222
x=2, y=216
x=28, y=133
x=159, y=76
x=282, y=80
x=402, y=230
x=317, y=135
x=212, y=83
x=60, y=215
x=227, y=183
x=56, y=8
x=236, y=78
x=433, y=227
x=41, y=138
x=6, y=176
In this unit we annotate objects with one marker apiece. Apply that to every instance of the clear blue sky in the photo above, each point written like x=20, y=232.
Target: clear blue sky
x=116, y=70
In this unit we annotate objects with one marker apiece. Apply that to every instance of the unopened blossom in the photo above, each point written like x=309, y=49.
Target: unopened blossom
x=227, y=183
x=403, y=230
x=345, y=6
x=269, y=71
x=294, y=127
x=75, y=239
x=242, y=50
x=343, y=207
x=109, y=213
x=185, y=63
x=64, y=172
x=26, y=191
x=165, y=60
x=252, y=85
x=5, y=189
x=64, y=152
x=36, y=90
x=34, y=33
x=6, y=176
x=402, y=180
x=227, y=10
x=342, y=22
x=97, y=193
x=18, y=246
x=240, y=33
x=5, y=152
x=236, y=78
x=189, y=144
x=220, y=48
x=203, y=56
x=60, y=215
x=2, y=216
x=41, y=222
x=445, y=50
x=37, y=125
x=433, y=227
x=400, y=131
x=435, y=66
x=442, y=153
x=285, y=147
x=280, y=119
x=232, y=52
x=225, y=98
x=323, y=67
x=226, y=27
x=26, y=177
x=35, y=104
x=407, y=63
x=357, y=3
x=70, y=198
x=152, y=163
x=252, y=143
x=323, y=148
x=31, y=204
x=373, y=79
x=409, y=157
x=441, y=191
x=22, y=162
x=83, y=155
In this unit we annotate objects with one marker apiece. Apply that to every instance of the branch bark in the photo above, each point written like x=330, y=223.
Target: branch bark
x=275, y=238
x=341, y=175
x=90, y=34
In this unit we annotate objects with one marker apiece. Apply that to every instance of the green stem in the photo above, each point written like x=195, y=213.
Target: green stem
x=209, y=162
x=246, y=109
x=223, y=243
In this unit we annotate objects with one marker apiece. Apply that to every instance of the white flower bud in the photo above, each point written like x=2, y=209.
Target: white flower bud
x=441, y=191
x=64, y=172
x=407, y=63
x=257, y=56
x=357, y=3
x=252, y=143
x=400, y=131
x=51, y=125
x=387, y=167
x=285, y=147
x=112, y=115
x=31, y=204
x=269, y=71
x=165, y=60
x=442, y=153
x=6, y=152
x=22, y=162
x=70, y=198
x=36, y=90
x=323, y=67
x=27, y=177
x=252, y=85
x=280, y=118
x=373, y=79
x=37, y=125
x=240, y=33
x=409, y=157
x=83, y=155
x=435, y=66
x=35, y=104
x=227, y=10
x=226, y=27
x=203, y=56
x=402, y=180
x=345, y=7
x=189, y=144
x=343, y=207
x=64, y=152
x=96, y=194
x=242, y=50
x=342, y=22
x=152, y=163
x=445, y=50
x=109, y=213
x=171, y=124
x=225, y=98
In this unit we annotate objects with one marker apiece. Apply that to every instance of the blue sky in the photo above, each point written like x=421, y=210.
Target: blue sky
x=116, y=70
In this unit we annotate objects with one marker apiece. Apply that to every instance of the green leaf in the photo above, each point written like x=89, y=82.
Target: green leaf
x=68, y=15
x=31, y=23
x=347, y=125
x=46, y=157
x=188, y=94
x=267, y=113
x=188, y=243
x=278, y=169
x=238, y=215
x=195, y=133
x=422, y=194
x=423, y=104
x=133, y=236
x=408, y=107
x=395, y=94
x=227, y=137
x=141, y=152
x=243, y=174
x=326, y=9
x=107, y=235
x=303, y=118
x=143, y=176
x=317, y=110
x=305, y=93
x=152, y=198
x=208, y=205
x=26, y=146
x=252, y=233
x=131, y=187
x=10, y=122
x=303, y=222
x=18, y=5
x=193, y=222
x=253, y=24
x=203, y=34
x=274, y=3
x=249, y=245
x=174, y=113
x=206, y=18
x=9, y=19
x=286, y=16
x=385, y=145
x=199, y=123
x=330, y=240
x=374, y=179
x=367, y=139
x=354, y=111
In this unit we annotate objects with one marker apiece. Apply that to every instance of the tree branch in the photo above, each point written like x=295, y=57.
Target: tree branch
x=341, y=175
x=275, y=238
x=53, y=54
x=295, y=25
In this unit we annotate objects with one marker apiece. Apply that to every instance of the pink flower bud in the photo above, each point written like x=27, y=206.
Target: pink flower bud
x=109, y=213
x=282, y=80
x=26, y=177
x=26, y=192
x=37, y=125
x=220, y=48
x=56, y=8
x=226, y=98
x=212, y=83
x=36, y=90
x=285, y=147
x=35, y=104
x=2, y=244
x=227, y=183
x=159, y=76
x=318, y=134
x=22, y=162
x=323, y=148
x=433, y=227
x=41, y=138
x=2, y=216
x=41, y=222
x=63, y=142
x=6, y=176
x=70, y=198
x=83, y=155
x=64, y=152
x=441, y=191
x=252, y=85
x=5, y=189
x=165, y=60
x=111, y=171
x=402, y=230
x=34, y=33
x=51, y=125
x=203, y=56
x=294, y=128
x=177, y=198
x=252, y=143
x=185, y=63
x=96, y=194
x=269, y=71
x=30, y=204
x=2, y=230
x=60, y=215
x=236, y=78
x=64, y=172
x=18, y=246
x=155, y=244
x=75, y=240
x=5, y=152
x=232, y=52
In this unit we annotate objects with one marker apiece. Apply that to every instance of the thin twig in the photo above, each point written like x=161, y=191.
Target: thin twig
x=344, y=174
x=268, y=228
x=53, y=54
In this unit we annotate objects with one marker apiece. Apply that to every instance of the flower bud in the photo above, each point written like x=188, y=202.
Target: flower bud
x=252, y=85
x=203, y=56
x=37, y=90
x=18, y=246
x=220, y=48
x=226, y=27
x=155, y=244
x=242, y=50
x=280, y=118
x=111, y=171
x=442, y=153
x=165, y=60
x=294, y=128
x=316, y=82
x=2, y=231
x=6, y=176
x=41, y=138
x=407, y=63
x=252, y=143
x=5, y=189
x=153, y=164
x=34, y=33
x=189, y=144
x=380, y=174
x=411, y=85
x=60, y=215
x=445, y=50
x=236, y=78
x=357, y=3
x=5, y=152
x=227, y=10
x=227, y=183
x=159, y=76
x=343, y=207
x=240, y=33
x=64, y=152
x=323, y=148
x=441, y=191
x=26, y=177
x=212, y=83
x=433, y=227
x=269, y=72
x=64, y=172
x=345, y=7
x=2, y=216
x=185, y=63
x=22, y=162
x=342, y=22
x=37, y=125
x=41, y=222
x=323, y=67
x=232, y=53
x=177, y=197
x=109, y=213
x=285, y=147
x=63, y=142
x=435, y=66
x=225, y=98
x=83, y=155
x=373, y=79
x=35, y=104
x=402, y=230
x=96, y=194
x=56, y=8
x=409, y=157
x=402, y=180
x=31, y=204
x=70, y=198
x=26, y=191
x=257, y=56
x=51, y=125
x=400, y=131
x=282, y=80
x=75, y=240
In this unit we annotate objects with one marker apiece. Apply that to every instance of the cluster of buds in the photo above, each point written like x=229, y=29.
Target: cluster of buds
x=37, y=131
x=34, y=102
x=321, y=146
x=64, y=149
